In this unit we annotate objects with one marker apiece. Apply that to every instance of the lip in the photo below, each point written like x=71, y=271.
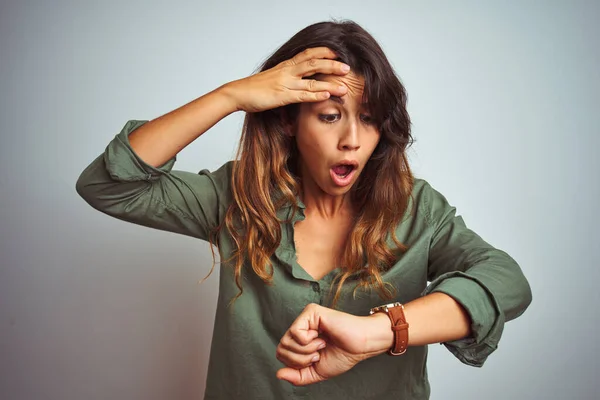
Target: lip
x=354, y=163
x=342, y=182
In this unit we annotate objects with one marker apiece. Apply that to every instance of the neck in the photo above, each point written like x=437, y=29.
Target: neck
x=321, y=204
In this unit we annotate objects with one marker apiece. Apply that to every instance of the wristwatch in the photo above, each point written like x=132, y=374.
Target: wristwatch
x=399, y=325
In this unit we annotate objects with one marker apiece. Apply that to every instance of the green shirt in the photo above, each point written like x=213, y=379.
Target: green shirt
x=486, y=281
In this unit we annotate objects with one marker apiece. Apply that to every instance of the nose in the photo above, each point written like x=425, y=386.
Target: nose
x=349, y=139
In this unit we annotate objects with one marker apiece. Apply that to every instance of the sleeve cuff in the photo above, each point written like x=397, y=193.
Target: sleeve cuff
x=487, y=319
x=123, y=164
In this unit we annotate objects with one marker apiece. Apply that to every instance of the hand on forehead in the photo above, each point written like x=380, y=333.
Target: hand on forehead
x=354, y=83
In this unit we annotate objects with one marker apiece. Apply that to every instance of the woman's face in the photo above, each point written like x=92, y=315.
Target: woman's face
x=336, y=137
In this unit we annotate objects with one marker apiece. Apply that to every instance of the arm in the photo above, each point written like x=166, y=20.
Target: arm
x=323, y=342
x=159, y=140
x=434, y=318
x=485, y=281
x=133, y=179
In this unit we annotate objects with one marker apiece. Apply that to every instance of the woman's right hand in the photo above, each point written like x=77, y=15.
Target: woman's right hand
x=283, y=84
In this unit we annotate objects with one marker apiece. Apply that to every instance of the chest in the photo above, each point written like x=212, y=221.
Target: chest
x=319, y=246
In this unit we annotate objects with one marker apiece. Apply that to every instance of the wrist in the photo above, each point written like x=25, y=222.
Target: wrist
x=380, y=336
x=229, y=94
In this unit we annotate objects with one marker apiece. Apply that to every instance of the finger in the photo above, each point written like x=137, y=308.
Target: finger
x=302, y=334
x=315, y=65
x=305, y=328
x=307, y=54
x=301, y=377
x=289, y=343
x=295, y=360
x=313, y=52
x=313, y=85
x=310, y=97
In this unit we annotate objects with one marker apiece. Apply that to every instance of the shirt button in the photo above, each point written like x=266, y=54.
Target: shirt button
x=315, y=287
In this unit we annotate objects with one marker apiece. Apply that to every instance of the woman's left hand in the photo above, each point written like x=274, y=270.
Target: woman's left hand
x=348, y=339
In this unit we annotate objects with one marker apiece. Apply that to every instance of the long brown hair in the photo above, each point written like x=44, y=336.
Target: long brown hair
x=264, y=177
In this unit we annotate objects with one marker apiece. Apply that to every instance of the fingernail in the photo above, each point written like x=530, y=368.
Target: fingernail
x=322, y=345
x=315, y=359
x=345, y=68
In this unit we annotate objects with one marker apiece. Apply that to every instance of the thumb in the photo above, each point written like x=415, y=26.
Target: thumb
x=299, y=377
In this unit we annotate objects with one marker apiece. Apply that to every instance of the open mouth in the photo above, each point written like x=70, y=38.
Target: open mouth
x=342, y=173
x=343, y=170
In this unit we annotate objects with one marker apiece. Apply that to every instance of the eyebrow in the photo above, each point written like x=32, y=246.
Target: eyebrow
x=337, y=99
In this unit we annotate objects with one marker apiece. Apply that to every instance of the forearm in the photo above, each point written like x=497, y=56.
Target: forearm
x=159, y=140
x=434, y=318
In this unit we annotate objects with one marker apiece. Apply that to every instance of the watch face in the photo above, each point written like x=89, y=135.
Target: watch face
x=378, y=309
x=384, y=308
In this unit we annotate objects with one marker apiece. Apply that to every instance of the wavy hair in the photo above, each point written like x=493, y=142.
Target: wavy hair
x=265, y=177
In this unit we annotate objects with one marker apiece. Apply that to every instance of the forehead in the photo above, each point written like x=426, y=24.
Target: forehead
x=354, y=83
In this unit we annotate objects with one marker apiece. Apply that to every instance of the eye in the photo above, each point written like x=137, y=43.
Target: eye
x=329, y=118
x=366, y=119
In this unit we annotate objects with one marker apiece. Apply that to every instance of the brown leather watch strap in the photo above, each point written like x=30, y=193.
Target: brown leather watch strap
x=400, y=328
x=395, y=312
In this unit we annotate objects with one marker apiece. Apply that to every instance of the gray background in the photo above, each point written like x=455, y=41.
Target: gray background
x=504, y=100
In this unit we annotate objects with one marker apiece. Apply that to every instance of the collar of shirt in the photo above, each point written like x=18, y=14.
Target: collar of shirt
x=286, y=252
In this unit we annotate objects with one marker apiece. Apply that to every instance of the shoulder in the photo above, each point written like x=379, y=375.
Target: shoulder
x=430, y=202
x=221, y=173
x=220, y=178
x=424, y=190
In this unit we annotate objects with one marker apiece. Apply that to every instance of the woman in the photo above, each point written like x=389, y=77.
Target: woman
x=318, y=221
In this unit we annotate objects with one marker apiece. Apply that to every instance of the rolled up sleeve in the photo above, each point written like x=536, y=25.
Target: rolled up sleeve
x=124, y=165
x=484, y=280
x=119, y=183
